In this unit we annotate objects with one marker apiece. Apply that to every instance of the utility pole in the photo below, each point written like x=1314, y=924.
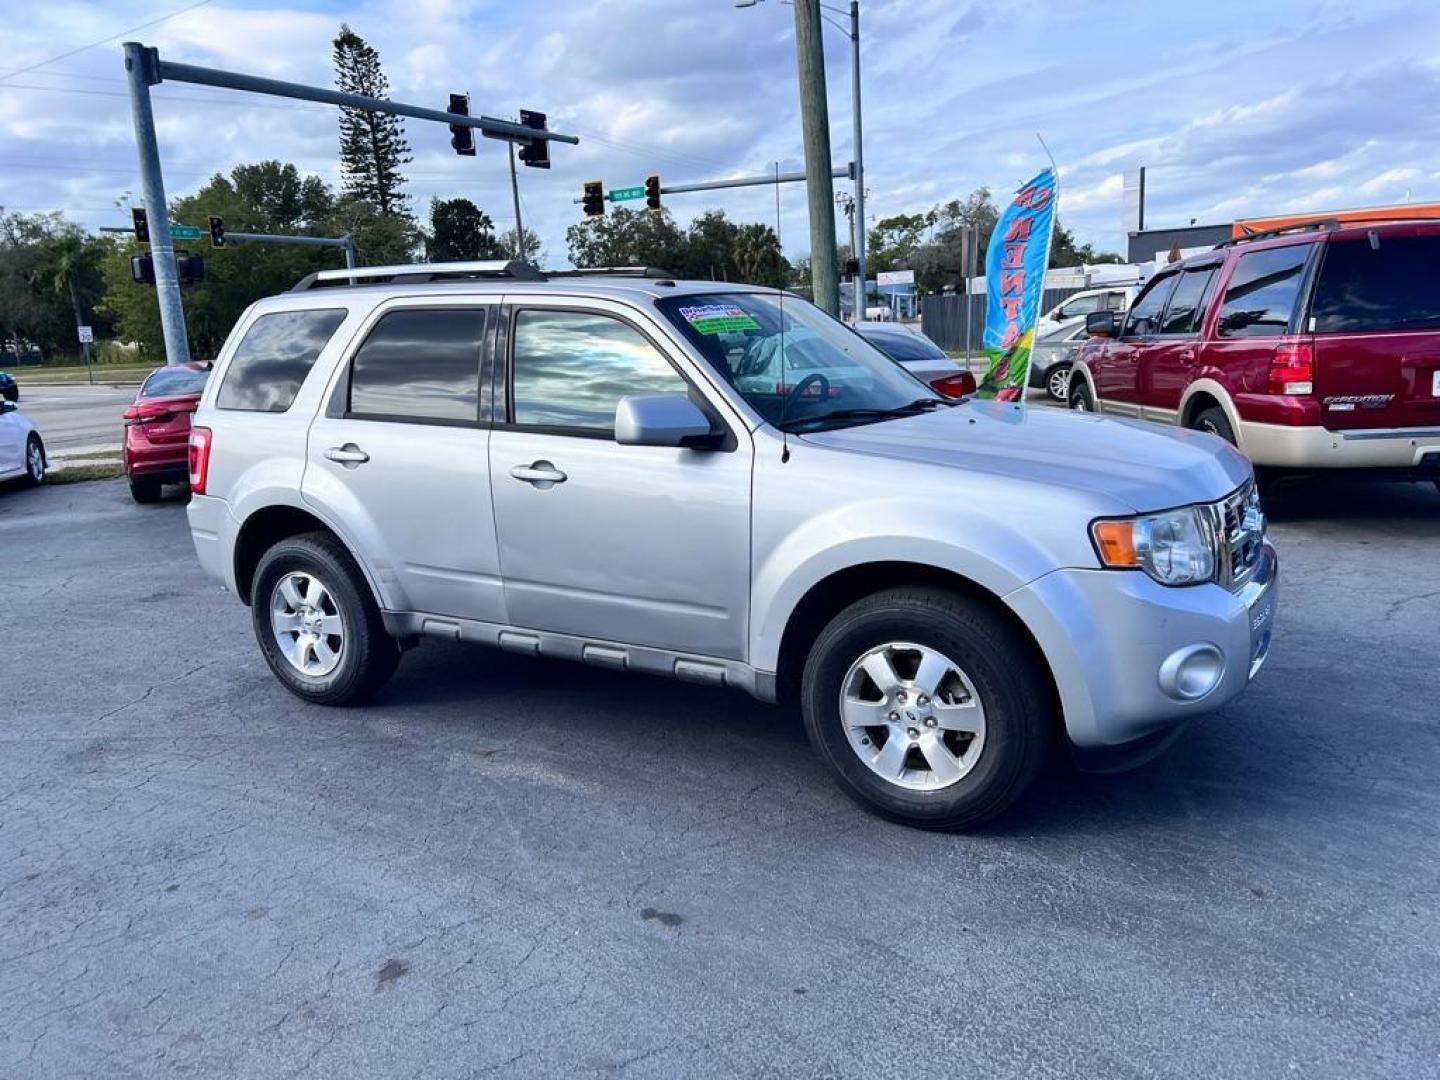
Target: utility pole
x=515, y=192
x=815, y=121
x=141, y=74
x=857, y=224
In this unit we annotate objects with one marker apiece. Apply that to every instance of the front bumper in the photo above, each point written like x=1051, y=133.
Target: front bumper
x=1108, y=635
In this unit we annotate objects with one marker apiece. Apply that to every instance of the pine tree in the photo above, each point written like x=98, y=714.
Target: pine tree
x=372, y=145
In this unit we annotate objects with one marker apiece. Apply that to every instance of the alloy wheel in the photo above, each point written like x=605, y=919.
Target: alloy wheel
x=1058, y=383
x=35, y=462
x=305, y=620
x=913, y=716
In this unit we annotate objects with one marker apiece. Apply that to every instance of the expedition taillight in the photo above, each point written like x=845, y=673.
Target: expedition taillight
x=1292, y=369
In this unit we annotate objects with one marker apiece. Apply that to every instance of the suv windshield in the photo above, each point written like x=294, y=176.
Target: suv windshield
x=798, y=368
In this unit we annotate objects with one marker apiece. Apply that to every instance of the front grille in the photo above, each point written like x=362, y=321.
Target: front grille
x=1240, y=527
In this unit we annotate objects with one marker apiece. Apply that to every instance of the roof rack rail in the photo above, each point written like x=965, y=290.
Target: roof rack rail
x=615, y=271
x=417, y=273
x=1318, y=225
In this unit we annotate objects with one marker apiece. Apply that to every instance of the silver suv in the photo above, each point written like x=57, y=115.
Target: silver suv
x=722, y=484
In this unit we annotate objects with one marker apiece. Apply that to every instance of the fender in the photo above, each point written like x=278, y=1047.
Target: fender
x=1207, y=385
x=997, y=556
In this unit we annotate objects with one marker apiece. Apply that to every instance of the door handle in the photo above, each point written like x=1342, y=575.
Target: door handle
x=1187, y=356
x=348, y=455
x=540, y=474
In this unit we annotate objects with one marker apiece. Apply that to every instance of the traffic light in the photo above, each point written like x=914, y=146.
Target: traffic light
x=851, y=270
x=142, y=225
x=217, y=231
x=190, y=269
x=652, y=192
x=142, y=268
x=534, y=152
x=462, y=138
x=594, y=200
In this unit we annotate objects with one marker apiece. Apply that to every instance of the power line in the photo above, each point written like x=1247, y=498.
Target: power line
x=103, y=41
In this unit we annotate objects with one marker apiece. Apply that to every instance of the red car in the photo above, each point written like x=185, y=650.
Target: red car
x=1311, y=347
x=157, y=429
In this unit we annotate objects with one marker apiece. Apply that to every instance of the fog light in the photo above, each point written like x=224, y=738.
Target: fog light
x=1190, y=673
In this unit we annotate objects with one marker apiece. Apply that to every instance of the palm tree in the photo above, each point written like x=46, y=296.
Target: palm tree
x=69, y=256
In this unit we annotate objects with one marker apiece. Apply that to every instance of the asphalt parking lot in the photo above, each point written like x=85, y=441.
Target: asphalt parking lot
x=518, y=867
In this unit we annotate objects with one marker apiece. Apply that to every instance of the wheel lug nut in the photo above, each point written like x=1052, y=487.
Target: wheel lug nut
x=914, y=733
x=923, y=699
x=900, y=696
x=894, y=717
x=930, y=721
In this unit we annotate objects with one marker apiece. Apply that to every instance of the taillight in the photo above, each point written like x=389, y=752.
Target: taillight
x=199, y=459
x=1292, y=369
x=959, y=385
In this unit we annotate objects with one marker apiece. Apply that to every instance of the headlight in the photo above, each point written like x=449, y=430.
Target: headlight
x=1175, y=547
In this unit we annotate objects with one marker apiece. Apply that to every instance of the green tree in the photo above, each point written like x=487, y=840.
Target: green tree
x=1064, y=251
x=758, y=259
x=381, y=239
x=49, y=281
x=530, y=250
x=372, y=145
x=460, y=230
x=627, y=237
x=893, y=241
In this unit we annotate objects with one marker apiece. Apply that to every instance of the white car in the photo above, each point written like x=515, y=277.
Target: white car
x=1071, y=312
x=22, y=451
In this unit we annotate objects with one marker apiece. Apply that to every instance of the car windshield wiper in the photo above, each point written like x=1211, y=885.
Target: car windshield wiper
x=919, y=405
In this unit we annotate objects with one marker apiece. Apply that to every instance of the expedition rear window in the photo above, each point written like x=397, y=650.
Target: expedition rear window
x=1260, y=298
x=273, y=358
x=1384, y=283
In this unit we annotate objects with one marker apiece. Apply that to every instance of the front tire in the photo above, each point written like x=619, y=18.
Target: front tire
x=1079, y=397
x=928, y=707
x=34, y=462
x=317, y=623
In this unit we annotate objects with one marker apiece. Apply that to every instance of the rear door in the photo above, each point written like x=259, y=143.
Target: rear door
x=399, y=456
x=1375, y=314
x=1117, y=372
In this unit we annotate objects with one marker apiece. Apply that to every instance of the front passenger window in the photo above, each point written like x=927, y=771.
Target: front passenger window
x=1145, y=315
x=569, y=370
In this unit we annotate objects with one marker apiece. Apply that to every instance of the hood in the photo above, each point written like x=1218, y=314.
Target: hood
x=1145, y=466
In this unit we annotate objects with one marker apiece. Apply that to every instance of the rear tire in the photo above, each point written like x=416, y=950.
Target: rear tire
x=987, y=707
x=1057, y=382
x=1080, y=399
x=145, y=491
x=317, y=623
x=1214, y=421
x=34, y=461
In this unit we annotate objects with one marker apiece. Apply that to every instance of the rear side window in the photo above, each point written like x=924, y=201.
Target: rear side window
x=420, y=364
x=1186, y=310
x=571, y=368
x=906, y=347
x=273, y=358
x=1260, y=299
x=1145, y=315
x=1391, y=285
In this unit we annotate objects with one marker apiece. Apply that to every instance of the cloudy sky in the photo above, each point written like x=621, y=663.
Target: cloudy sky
x=1237, y=108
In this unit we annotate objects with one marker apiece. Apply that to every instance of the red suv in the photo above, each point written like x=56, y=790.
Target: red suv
x=1311, y=347
x=157, y=429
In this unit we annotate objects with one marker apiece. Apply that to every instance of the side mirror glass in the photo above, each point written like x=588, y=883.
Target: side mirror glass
x=663, y=420
x=1102, y=324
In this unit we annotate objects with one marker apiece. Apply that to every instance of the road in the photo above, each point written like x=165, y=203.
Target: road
x=77, y=418
x=536, y=869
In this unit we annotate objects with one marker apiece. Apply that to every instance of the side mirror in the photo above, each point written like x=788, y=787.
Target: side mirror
x=7, y=407
x=663, y=420
x=1102, y=324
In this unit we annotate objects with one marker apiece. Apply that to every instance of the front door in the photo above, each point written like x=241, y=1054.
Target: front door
x=633, y=544
x=1168, y=362
x=1117, y=380
x=398, y=459
x=12, y=441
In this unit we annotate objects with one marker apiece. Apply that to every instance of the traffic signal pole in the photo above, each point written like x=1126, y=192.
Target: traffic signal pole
x=145, y=69
x=140, y=73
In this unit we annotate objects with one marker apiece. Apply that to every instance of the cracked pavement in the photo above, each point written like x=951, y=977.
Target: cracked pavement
x=515, y=867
